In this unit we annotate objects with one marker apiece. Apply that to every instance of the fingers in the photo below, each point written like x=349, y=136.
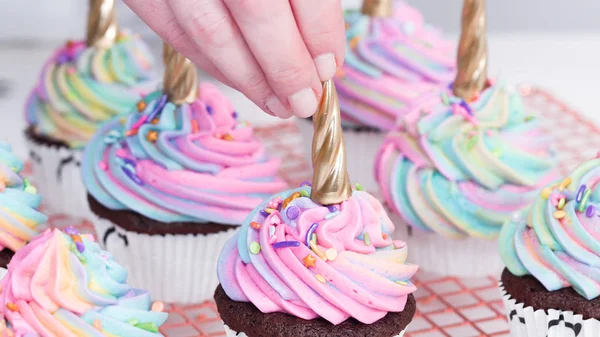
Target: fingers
x=321, y=23
x=214, y=32
x=271, y=33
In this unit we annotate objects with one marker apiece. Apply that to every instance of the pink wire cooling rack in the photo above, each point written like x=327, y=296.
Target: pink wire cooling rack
x=447, y=306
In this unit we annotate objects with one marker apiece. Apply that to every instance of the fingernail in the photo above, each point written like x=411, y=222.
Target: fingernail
x=274, y=105
x=303, y=103
x=326, y=66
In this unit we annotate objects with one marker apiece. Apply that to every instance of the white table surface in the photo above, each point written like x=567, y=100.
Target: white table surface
x=567, y=65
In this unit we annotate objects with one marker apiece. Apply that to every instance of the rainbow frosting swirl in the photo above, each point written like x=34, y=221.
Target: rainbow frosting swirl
x=558, y=241
x=81, y=87
x=294, y=256
x=390, y=64
x=190, y=162
x=19, y=203
x=461, y=169
x=63, y=284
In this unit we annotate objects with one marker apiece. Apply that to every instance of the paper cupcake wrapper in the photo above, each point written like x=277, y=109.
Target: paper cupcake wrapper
x=57, y=177
x=174, y=268
x=528, y=322
x=361, y=152
x=231, y=333
x=468, y=257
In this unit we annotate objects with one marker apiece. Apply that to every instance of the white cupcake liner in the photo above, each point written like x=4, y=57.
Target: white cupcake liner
x=174, y=268
x=528, y=322
x=468, y=257
x=231, y=333
x=57, y=177
x=361, y=152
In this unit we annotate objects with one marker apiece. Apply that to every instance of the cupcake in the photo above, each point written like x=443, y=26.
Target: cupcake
x=63, y=284
x=82, y=85
x=462, y=162
x=20, y=219
x=392, y=61
x=317, y=261
x=169, y=183
x=552, y=255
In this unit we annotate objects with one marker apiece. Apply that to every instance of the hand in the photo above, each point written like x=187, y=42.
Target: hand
x=276, y=52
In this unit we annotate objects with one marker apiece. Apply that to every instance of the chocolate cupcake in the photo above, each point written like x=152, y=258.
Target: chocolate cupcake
x=551, y=284
x=63, y=284
x=169, y=183
x=82, y=85
x=20, y=219
x=317, y=261
x=393, y=59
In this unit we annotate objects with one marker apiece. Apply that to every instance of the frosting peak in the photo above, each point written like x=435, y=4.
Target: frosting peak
x=81, y=87
x=65, y=285
x=189, y=162
x=19, y=203
x=294, y=256
x=462, y=168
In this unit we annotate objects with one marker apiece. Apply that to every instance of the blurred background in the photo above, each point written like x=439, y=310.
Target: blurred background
x=553, y=44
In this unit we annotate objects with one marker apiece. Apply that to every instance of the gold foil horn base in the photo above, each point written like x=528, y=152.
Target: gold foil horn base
x=331, y=184
x=472, y=57
x=180, y=81
x=102, y=26
x=381, y=8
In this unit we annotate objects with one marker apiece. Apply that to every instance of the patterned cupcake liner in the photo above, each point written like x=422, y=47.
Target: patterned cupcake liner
x=56, y=174
x=361, y=152
x=468, y=257
x=528, y=322
x=174, y=268
x=231, y=333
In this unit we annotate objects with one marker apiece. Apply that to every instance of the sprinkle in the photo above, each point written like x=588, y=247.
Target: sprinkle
x=289, y=199
x=132, y=176
x=332, y=208
x=445, y=99
x=561, y=203
x=12, y=307
x=580, y=193
x=123, y=120
x=158, y=108
x=584, y=201
x=306, y=183
x=195, y=127
x=292, y=212
x=209, y=109
x=402, y=283
x=102, y=165
x=140, y=122
x=97, y=325
x=331, y=254
x=529, y=118
x=131, y=132
x=132, y=321
x=148, y=326
x=309, y=261
x=154, y=121
x=234, y=115
x=320, y=278
x=152, y=136
x=313, y=238
x=228, y=137
x=254, y=248
x=331, y=215
x=71, y=230
x=264, y=213
x=272, y=230
x=269, y=210
x=304, y=193
x=472, y=142
x=286, y=244
x=80, y=247
x=317, y=251
x=564, y=184
x=141, y=106
x=310, y=231
x=590, y=211
x=255, y=225
x=158, y=306
x=546, y=192
x=466, y=106
x=559, y=214
x=384, y=236
x=359, y=187
x=367, y=239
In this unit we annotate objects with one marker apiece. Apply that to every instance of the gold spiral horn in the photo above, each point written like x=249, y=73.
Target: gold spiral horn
x=382, y=8
x=102, y=26
x=472, y=51
x=180, y=81
x=331, y=184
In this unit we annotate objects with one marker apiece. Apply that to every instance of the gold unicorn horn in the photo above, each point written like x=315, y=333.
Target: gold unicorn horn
x=180, y=81
x=472, y=51
x=382, y=8
x=331, y=184
x=102, y=27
